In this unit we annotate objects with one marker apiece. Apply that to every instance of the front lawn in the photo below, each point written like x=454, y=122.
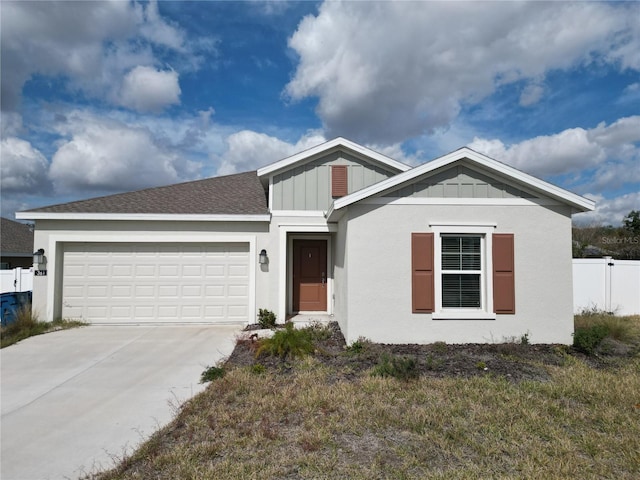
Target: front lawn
x=560, y=414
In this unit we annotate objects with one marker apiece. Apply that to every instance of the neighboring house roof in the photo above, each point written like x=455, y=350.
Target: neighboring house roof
x=579, y=203
x=231, y=197
x=332, y=145
x=16, y=239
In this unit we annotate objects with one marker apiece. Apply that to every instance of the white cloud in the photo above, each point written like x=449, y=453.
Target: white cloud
x=157, y=30
x=608, y=211
x=91, y=45
x=250, y=150
x=10, y=124
x=563, y=152
x=386, y=71
x=571, y=150
x=113, y=156
x=23, y=168
x=531, y=94
x=146, y=89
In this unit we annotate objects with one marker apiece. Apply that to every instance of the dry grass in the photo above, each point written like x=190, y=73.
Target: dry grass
x=624, y=329
x=308, y=422
x=28, y=324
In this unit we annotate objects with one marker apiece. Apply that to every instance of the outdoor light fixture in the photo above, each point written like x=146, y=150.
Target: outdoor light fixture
x=38, y=256
x=262, y=258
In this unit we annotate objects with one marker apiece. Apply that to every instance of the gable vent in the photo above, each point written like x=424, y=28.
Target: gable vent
x=339, y=181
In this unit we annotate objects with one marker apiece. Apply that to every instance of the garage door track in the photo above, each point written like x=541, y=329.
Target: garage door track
x=75, y=400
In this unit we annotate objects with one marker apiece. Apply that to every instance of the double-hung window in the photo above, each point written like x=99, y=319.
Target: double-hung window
x=461, y=271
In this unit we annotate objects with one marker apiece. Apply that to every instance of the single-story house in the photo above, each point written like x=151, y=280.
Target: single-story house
x=460, y=249
x=16, y=244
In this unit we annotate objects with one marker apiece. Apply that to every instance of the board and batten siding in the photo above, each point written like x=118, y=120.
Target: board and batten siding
x=308, y=186
x=460, y=182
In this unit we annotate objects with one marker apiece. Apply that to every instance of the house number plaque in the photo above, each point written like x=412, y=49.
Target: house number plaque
x=40, y=273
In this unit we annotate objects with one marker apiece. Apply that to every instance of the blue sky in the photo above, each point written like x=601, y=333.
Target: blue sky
x=105, y=97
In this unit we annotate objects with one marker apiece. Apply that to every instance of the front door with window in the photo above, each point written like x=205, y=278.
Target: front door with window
x=309, y=275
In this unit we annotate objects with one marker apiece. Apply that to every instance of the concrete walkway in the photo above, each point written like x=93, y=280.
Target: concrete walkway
x=76, y=400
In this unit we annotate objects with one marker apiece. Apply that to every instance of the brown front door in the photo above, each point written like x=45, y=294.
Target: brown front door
x=310, y=275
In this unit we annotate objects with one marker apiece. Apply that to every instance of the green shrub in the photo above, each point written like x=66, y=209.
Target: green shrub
x=356, y=347
x=524, y=339
x=587, y=339
x=258, y=368
x=440, y=347
x=266, y=318
x=289, y=342
x=212, y=373
x=402, y=368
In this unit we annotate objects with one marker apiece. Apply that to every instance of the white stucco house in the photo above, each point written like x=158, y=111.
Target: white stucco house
x=460, y=249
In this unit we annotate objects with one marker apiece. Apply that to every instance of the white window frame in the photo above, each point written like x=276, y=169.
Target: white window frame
x=485, y=232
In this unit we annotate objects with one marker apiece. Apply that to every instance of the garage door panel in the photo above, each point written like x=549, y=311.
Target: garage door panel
x=138, y=283
x=97, y=291
x=121, y=291
x=238, y=270
x=168, y=291
x=169, y=271
x=191, y=271
x=123, y=271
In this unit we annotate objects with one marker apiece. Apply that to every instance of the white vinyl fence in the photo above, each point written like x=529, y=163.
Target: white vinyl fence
x=606, y=284
x=16, y=280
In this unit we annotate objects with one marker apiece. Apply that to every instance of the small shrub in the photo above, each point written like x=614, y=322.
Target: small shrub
x=258, y=369
x=432, y=363
x=356, y=347
x=266, y=318
x=481, y=365
x=289, y=342
x=440, y=347
x=402, y=368
x=524, y=339
x=587, y=339
x=212, y=373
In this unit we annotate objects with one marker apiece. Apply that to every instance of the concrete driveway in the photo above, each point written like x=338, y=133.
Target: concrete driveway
x=75, y=400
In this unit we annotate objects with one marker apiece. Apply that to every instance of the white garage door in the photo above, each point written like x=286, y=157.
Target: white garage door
x=138, y=283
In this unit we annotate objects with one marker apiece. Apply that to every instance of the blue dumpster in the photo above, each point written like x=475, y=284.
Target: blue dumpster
x=10, y=303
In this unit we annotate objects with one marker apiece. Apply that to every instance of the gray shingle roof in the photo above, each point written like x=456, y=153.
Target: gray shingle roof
x=15, y=238
x=239, y=194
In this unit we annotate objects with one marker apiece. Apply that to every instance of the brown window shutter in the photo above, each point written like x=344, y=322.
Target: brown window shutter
x=504, y=297
x=339, y=186
x=422, y=287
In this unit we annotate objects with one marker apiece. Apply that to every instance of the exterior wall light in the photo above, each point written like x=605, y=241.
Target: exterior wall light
x=262, y=258
x=38, y=256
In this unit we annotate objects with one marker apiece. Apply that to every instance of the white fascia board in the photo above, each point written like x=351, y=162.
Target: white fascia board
x=326, y=147
x=581, y=203
x=142, y=217
x=297, y=213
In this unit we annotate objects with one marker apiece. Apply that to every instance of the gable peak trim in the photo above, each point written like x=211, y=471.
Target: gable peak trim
x=338, y=143
x=474, y=158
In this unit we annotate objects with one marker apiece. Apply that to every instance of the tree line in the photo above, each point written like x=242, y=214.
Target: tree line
x=622, y=243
